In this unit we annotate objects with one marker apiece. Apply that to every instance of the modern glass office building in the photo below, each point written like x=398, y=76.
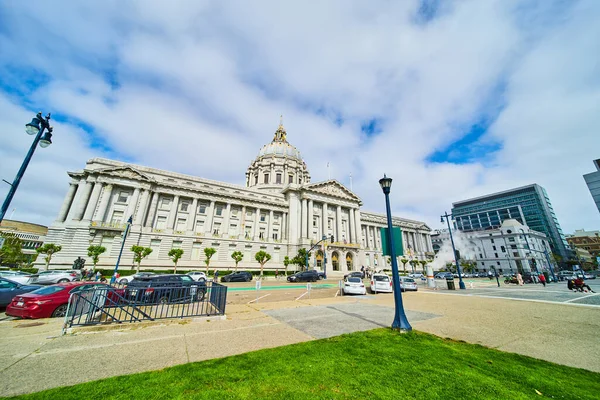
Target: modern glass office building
x=530, y=205
x=593, y=182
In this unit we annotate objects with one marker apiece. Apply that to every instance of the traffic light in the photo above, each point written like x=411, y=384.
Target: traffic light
x=332, y=239
x=457, y=254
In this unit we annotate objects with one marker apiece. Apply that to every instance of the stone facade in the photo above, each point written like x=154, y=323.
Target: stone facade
x=278, y=211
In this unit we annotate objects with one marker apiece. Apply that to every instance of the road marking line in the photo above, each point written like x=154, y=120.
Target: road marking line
x=517, y=299
x=579, y=298
x=258, y=298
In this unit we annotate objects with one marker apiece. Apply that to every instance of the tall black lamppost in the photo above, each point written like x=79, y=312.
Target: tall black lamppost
x=37, y=126
x=529, y=249
x=400, y=320
x=461, y=284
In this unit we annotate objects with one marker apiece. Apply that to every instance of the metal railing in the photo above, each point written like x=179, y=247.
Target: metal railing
x=107, y=304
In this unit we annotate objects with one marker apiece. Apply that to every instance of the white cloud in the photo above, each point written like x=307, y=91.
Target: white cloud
x=199, y=87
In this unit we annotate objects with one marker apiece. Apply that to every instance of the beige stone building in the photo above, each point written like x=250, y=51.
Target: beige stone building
x=279, y=210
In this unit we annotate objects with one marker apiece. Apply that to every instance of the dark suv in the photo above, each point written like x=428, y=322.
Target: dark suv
x=240, y=276
x=355, y=274
x=304, y=276
x=163, y=289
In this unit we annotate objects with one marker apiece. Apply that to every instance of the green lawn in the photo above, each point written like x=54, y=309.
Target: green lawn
x=378, y=364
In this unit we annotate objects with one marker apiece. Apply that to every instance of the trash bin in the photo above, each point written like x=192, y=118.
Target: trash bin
x=450, y=282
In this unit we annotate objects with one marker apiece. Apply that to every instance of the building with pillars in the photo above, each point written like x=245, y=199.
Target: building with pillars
x=279, y=211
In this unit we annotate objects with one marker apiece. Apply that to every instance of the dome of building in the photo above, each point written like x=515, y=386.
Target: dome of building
x=278, y=164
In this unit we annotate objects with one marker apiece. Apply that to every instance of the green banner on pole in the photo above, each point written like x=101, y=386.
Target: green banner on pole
x=397, y=241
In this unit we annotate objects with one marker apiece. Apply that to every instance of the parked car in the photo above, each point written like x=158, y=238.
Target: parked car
x=16, y=276
x=240, y=276
x=165, y=289
x=482, y=275
x=444, y=275
x=417, y=275
x=321, y=275
x=124, y=280
x=304, y=276
x=565, y=275
x=354, y=285
x=355, y=274
x=197, y=275
x=47, y=301
x=50, y=277
x=408, y=284
x=10, y=289
x=381, y=283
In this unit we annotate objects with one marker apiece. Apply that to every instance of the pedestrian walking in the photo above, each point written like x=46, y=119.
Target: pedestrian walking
x=520, y=279
x=276, y=274
x=543, y=279
x=98, y=276
x=216, y=274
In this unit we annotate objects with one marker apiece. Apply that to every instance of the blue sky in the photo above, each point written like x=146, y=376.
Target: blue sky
x=453, y=99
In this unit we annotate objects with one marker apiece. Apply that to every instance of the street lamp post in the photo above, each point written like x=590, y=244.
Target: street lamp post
x=114, y=276
x=400, y=321
x=39, y=126
x=314, y=247
x=461, y=284
x=528, y=248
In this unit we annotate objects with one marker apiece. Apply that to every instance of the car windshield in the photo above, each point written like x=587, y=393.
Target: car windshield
x=48, y=290
x=381, y=278
x=408, y=279
x=354, y=280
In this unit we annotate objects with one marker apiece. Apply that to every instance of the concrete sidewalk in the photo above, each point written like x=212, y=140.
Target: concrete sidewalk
x=34, y=357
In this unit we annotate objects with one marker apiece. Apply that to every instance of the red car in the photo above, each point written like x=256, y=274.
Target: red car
x=46, y=302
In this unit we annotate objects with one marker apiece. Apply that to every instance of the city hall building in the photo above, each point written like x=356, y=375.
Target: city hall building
x=279, y=211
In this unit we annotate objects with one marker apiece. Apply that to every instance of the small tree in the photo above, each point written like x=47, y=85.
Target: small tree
x=237, y=257
x=94, y=252
x=412, y=264
x=208, y=252
x=11, y=252
x=404, y=261
x=139, y=253
x=48, y=249
x=262, y=257
x=423, y=264
x=175, y=255
x=286, y=262
x=301, y=258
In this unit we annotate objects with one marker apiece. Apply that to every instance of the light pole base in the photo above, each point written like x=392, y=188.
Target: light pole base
x=461, y=285
x=402, y=330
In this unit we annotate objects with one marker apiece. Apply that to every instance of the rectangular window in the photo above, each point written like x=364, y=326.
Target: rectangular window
x=181, y=224
x=256, y=179
x=248, y=232
x=330, y=223
x=161, y=222
x=315, y=221
x=199, y=226
x=263, y=217
x=291, y=179
x=248, y=213
x=196, y=250
x=503, y=249
x=176, y=244
x=234, y=213
x=219, y=210
x=123, y=196
x=275, y=217
x=515, y=254
x=117, y=217
x=216, y=228
x=155, y=246
x=261, y=234
x=498, y=262
x=277, y=178
x=480, y=255
x=184, y=206
x=266, y=178
x=202, y=208
x=492, y=240
x=233, y=230
x=496, y=255
x=165, y=203
x=512, y=239
x=275, y=235
x=494, y=247
x=513, y=246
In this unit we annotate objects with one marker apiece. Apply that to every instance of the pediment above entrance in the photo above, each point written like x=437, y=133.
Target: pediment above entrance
x=126, y=172
x=333, y=188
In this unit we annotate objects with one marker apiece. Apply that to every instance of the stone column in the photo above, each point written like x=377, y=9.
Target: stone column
x=81, y=198
x=310, y=219
x=294, y=215
x=255, y=230
x=358, y=226
x=324, y=218
x=64, y=210
x=152, y=210
x=91, y=207
x=133, y=202
x=284, y=225
x=192, y=215
x=304, y=219
x=270, y=226
x=139, y=216
x=173, y=213
x=351, y=226
x=338, y=220
x=226, y=218
x=210, y=211
x=104, y=202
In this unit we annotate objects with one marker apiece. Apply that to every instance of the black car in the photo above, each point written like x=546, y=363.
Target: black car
x=355, y=274
x=304, y=276
x=10, y=289
x=240, y=276
x=163, y=289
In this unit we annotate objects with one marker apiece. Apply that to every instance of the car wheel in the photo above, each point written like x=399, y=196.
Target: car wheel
x=163, y=300
x=200, y=295
x=64, y=280
x=123, y=281
x=248, y=279
x=60, y=311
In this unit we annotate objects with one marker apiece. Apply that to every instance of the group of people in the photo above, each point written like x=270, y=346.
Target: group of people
x=366, y=272
x=90, y=275
x=579, y=285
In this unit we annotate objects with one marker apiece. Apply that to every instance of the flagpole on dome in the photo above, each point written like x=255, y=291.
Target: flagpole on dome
x=328, y=172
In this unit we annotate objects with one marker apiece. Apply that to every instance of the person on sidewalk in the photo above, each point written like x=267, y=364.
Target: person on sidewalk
x=543, y=279
x=581, y=285
x=276, y=274
x=216, y=275
x=520, y=279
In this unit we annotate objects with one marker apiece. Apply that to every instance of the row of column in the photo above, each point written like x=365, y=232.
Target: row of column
x=307, y=215
x=82, y=200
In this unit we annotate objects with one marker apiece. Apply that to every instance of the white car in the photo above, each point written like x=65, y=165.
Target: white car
x=197, y=275
x=123, y=280
x=408, y=284
x=52, y=276
x=353, y=285
x=16, y=276
x=381, y=283
x=417, y=276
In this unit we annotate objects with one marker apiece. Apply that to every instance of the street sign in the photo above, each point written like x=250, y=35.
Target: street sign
x=308, y=286
x=258, y=285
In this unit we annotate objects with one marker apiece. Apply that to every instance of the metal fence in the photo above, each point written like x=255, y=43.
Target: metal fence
x=106, y=304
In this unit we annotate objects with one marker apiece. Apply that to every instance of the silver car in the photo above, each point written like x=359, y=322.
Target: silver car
x=56, y=276
x=16, y=276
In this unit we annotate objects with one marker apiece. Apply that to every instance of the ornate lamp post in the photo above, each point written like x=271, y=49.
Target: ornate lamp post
x=37, y=126
x=114, y=276
x=400, y=321
x=461, y=284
